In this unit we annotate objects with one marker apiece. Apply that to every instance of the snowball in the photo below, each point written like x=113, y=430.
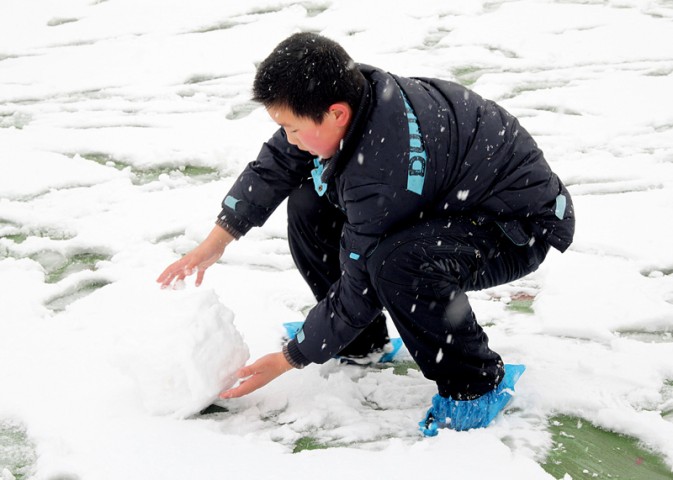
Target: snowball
x=179, y=349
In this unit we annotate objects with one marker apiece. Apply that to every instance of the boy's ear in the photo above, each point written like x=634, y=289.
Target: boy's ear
x=341, y=112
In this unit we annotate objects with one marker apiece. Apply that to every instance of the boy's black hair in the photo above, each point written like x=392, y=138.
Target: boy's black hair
x=307, y=73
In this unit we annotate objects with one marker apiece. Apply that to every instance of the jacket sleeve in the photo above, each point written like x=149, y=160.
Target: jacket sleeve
x=263, y=185
x=352, y=304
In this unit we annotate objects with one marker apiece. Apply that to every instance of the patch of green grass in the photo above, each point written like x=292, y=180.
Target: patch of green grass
x=194, y=79
x=59, y=302
x=521, y=305
x=308, y=443
x=667, y=396
x=12, y=231
x=16, y=237
x=17, y=453
x=57, y=21
x=467, y=75
x=103, y=159
x=76, y=263
x=660, y=336
x=313, y=9
x=583, y=450
x=143, y=176
x=18, y=233
x=16, y=119
x=195, y=171
x=241, y=110
x=403, y=367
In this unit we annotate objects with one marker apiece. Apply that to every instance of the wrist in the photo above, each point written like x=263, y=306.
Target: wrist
x=293, y=356
x=219, y=237
x=228, y=229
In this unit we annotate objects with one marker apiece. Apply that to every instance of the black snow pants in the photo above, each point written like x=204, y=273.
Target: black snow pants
x=421, y=274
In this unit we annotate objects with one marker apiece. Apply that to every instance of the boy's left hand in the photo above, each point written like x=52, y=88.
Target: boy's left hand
x=258, y=374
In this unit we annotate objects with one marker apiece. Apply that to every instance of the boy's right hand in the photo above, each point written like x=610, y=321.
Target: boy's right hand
x=198, y=260
x=258, y=374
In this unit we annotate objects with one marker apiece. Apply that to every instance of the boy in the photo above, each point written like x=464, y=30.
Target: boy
x=403, y=194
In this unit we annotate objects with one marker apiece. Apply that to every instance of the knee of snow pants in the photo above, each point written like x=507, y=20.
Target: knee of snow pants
x=421, y=276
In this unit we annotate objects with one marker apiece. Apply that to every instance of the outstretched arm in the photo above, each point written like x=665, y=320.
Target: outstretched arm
x=198, y=260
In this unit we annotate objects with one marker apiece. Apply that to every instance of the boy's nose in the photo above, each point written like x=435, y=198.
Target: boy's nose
x=291, y=138
x=295, y=141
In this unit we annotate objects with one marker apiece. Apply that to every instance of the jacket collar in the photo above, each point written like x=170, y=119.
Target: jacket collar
x=347, y=146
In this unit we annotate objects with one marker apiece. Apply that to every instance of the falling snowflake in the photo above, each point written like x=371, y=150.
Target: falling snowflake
x=463, y=194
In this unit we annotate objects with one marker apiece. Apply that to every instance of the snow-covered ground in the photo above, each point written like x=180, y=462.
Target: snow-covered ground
x=122, y=124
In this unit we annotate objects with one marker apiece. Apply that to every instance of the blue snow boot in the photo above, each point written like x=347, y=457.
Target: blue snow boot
x=394, y=346
x=467, y=414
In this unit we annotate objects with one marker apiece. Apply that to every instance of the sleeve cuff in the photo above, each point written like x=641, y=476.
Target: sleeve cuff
x=293, y=356
x=228, y=228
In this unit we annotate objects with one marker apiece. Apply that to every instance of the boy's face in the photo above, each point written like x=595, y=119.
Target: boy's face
x=321, y=140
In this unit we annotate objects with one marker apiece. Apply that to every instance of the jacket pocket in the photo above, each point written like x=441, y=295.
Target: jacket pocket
x=515, y=232
x=449, y=268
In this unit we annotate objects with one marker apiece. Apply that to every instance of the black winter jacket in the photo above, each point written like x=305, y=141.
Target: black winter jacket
x=447, y=152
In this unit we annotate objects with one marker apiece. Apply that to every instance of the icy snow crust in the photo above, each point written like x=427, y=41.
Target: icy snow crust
x=122, y=125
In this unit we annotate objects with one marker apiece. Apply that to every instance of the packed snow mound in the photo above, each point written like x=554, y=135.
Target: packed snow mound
x=178, y=348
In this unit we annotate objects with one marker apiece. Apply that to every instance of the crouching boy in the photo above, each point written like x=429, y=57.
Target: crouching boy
x=403, y=194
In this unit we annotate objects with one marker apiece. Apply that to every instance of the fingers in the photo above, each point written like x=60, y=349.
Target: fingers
x=170, y=273
x=176, y=273
x=245, y=387
x=168, y=278
x=165, y=277
x=249, y=383
x=247, y=371
x=258, y=374
x=199, y=276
